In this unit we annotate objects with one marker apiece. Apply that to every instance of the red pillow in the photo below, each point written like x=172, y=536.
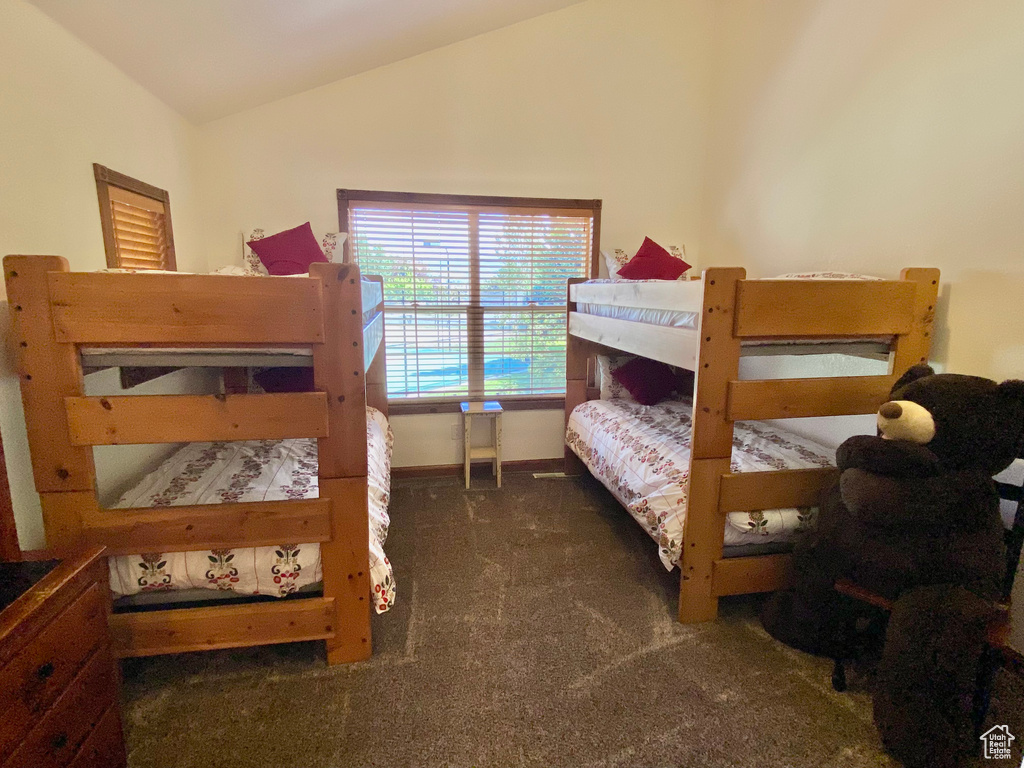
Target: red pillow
x=652, y=262
x=648, y=381
x=289, y=252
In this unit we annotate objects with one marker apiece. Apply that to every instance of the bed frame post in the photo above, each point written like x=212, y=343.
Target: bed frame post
x=342, y=460
x=576, y=360
x=49, y=371
x=711, y=444
x=913, y=348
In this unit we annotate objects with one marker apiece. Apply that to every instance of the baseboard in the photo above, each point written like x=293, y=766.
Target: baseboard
x=437, y=470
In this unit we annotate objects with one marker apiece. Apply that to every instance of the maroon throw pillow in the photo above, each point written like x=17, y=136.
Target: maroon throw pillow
x=275, y=380
x=289, y=252
x=648, y=381
x=652, y=262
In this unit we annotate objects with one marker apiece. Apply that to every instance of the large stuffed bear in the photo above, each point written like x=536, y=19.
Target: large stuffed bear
x=914, y=518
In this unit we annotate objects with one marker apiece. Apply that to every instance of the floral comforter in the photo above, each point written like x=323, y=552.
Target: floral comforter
x=642, y=455
x=257, y=470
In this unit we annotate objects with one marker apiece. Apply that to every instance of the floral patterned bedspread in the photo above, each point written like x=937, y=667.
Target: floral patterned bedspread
x=257, y=470
x=642, y=455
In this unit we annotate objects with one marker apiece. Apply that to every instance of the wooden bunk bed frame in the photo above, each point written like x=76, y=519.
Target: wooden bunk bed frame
x=734, y=309
x=55, y=312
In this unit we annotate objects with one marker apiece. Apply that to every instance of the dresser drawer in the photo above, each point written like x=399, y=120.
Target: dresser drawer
x=34, y=678
x=59, y=734
x=105, y=746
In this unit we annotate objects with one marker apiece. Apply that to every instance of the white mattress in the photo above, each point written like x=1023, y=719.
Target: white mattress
x=642, y=455
x=669, y=318
x=258, y=470
x=658, y=302
x=265, y=357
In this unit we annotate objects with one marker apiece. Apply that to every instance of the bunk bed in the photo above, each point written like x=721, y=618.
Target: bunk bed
x=331, y=321
x=705, y=325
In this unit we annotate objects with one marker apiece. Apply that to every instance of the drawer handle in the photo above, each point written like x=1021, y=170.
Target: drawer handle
x=59, y=741
x=45, y=671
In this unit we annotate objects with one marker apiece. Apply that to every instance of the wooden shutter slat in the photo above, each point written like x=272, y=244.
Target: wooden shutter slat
x=119, y=197
x=129, y=262
x=144, y=243
x=135, y=219
x=139, y=229
x=141, y=253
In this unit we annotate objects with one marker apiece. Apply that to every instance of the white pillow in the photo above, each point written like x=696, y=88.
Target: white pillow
x=617, y=258
x=330, y=244
x=610, y=388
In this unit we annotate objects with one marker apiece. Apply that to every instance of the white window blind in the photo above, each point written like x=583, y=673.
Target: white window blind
x=474, y=295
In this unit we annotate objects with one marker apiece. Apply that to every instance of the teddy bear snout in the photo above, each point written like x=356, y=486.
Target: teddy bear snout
x=891, y=410
x=906, y=420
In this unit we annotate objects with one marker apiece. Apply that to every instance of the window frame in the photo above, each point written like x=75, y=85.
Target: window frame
x=509, y=402
x=106, y=178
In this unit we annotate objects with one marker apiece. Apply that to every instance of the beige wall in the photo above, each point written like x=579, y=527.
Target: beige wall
x=866, y=135
x=64, y=108
x=606, y=99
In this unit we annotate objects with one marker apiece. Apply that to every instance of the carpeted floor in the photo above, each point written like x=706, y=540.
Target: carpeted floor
x=534, y=627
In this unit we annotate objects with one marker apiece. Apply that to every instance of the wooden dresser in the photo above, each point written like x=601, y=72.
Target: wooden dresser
x=58, y=679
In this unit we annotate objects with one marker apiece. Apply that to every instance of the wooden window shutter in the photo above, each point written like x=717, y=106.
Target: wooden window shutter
x=136, y=221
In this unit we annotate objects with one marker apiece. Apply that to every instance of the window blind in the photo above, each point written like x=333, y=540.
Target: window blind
x=139, y=230
x=474, y=295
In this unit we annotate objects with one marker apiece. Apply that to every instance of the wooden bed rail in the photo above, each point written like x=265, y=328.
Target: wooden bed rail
x=133, y=420
x=206, y=526
x=223, y=626
x=747, y=491
x=795, y=398
x=781, y=308
x=110, y=308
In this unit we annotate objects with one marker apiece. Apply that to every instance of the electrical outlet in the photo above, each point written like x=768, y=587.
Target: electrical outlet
x=455, y=431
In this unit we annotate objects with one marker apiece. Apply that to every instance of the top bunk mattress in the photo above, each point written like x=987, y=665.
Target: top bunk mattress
x=216, y=357
x=675, y=304
x=641, y=454
x=255, y=470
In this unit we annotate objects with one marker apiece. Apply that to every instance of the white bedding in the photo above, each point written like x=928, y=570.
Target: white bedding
x=642, y=455
x=258, y=470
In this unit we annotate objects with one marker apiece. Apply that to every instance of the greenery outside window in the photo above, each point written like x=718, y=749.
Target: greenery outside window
x=136, y=221
x=474, y=289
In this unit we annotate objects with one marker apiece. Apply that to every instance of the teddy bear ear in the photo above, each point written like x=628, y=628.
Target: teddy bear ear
x=913, y=374
x=1013, y=388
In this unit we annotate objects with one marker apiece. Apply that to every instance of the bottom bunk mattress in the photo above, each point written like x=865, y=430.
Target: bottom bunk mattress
x=641, y=453
x=256, y=470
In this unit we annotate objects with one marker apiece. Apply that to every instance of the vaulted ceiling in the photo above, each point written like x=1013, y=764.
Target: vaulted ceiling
x=211, y=58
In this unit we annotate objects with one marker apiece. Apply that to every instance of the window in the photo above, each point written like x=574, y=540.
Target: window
x=136, y=221
x=474, y=288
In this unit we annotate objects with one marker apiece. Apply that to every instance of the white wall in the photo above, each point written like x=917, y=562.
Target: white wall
x=606, y=99
x=64, y=108
x=868, y=135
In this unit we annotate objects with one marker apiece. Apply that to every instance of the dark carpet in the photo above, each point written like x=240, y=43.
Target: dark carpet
x=534, y=627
